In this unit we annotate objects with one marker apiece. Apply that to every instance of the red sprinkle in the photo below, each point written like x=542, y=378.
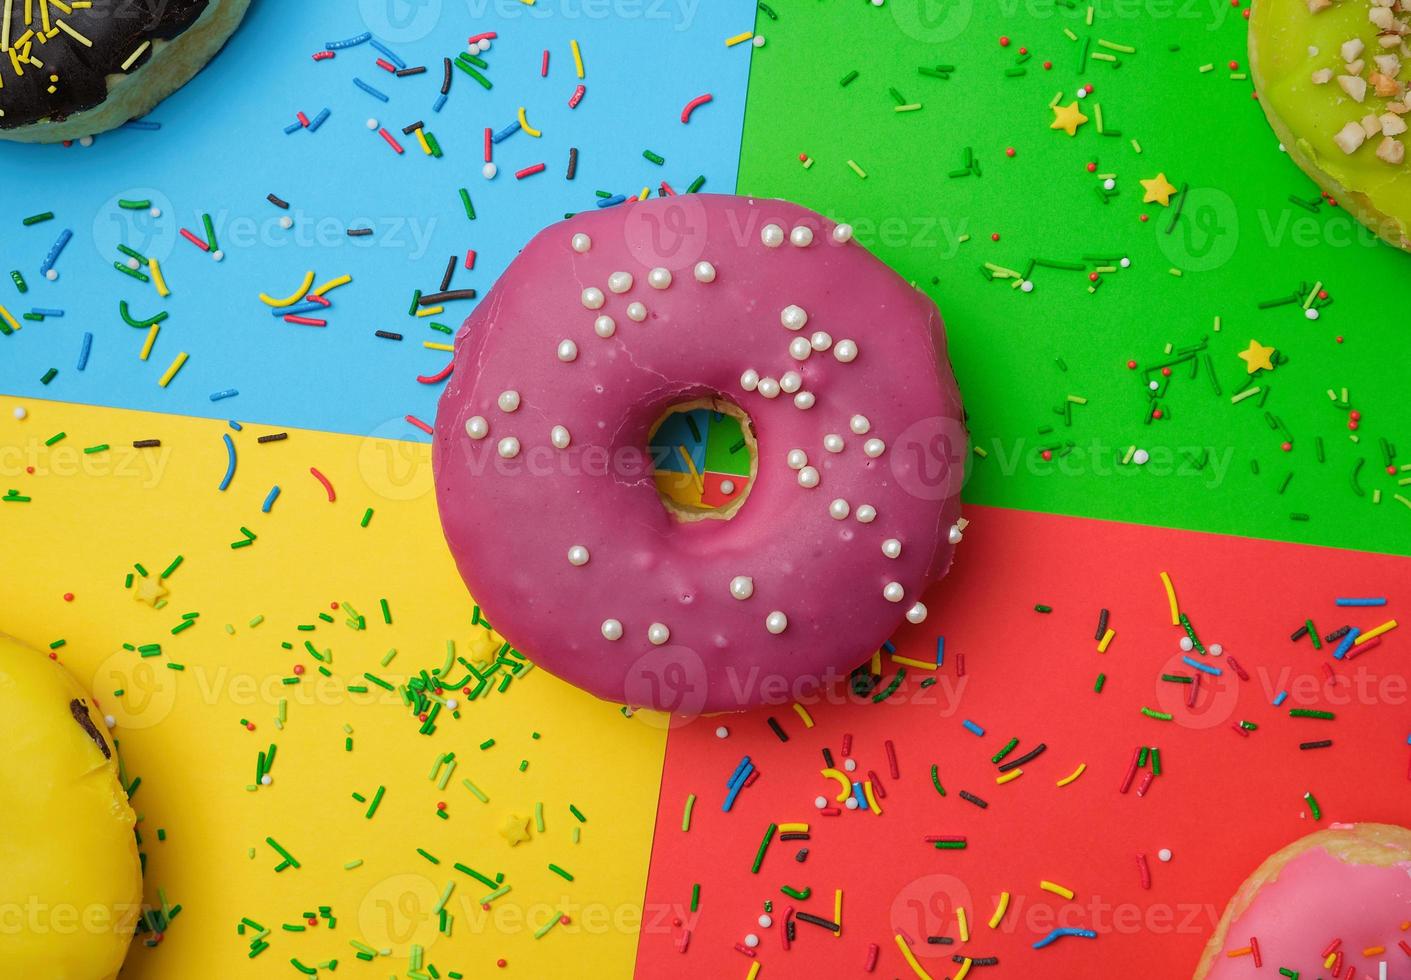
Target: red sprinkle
x=693, y=105
x=1254, y=950
x=1144, y=871
x=391, y=141
x=529, y=171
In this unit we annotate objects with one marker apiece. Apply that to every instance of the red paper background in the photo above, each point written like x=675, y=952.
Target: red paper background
x=1223, y=804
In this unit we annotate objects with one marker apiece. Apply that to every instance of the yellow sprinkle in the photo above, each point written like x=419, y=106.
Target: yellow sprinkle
x=643, y=196
x=1171, y=598
x=838, y=911
x=910, y=958
x=857, y=170
x=331, y=285
x=1175, y=272
x=293, y=297
x=524, y=123
x=63, y=26
x=1396, y=496
x=137, y=53
x=754, y=967
x=1102, y=56
x=877, y=662
x=1068, y=32
x=9, y=318
x=5, y=27
x=962, y=925
x=158, y=279
x=1057, y=889
x=1247, y=393
x=1000, y=908
x=871, y=799
x=912, y=107
x=426, y=311
x=918, y=664
x=1386, y=627
x=577, y=58
x=730, y=42
x=691, y=465
x=964, y=969
x=1073, y=775
x=803, y=714
x=1206, y=68
x=432, y=345
x=171, y=371
x=1011, y=775
x=1242, y=951
x=421, y=138
x=1136, y=147
x=793, y=828
x=980, y=452
x=1332, y=958
x=151, y=339
x=843, y=782
x=1106, y=639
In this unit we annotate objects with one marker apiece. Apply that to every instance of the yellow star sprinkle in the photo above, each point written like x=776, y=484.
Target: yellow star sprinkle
x=1067, y=118
x=149, y=590
x=1158, y=190
x=1258, y=357
x=515, y=829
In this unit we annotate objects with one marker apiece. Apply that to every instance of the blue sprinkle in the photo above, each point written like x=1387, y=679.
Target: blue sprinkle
x=940, y=650
x=351, y=42
x=1362, y=602
x=737, y=782
x=319, y=120
x=38, y=312
x=390, y=54
x=299, y=308
x=85, y=350
x=273, y=495
x=608, y=202
x=889, y=646
x=142, y=124
x=293, y=127
x=439, y=104
x=236, y=426
x=860, y=795
x=1058, y=934
x=1198, y=665
x=230, y=461
x=227, y=393
x=505, y=133
x=1346, y=643
x=744, y=764
x=370, y=90
x=972, y=728
x=1282, y=697
x=55, y=251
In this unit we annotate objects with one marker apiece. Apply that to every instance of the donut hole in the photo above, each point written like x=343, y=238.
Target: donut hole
x=704, y=459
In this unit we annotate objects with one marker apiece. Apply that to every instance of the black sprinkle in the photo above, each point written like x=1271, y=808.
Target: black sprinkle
x=146, y=444
x=828, y=757
x=408, y=130
x=388, y=335
x=695, y=429
x=359, y=232
x=976, y=960
x=1299, y=633
x=1101, y=625
x=972, y=798
x=794, y=837
x=446, y=81
x=1320, y=744
x=1024, y=759
x=783, y=736
x=802, y=856
x=1337, y=634
x=450, y=271
x=432, y=299
x=790, y=931
x=274, y=437
x=404, y=72
x=572, y=162
x=278, y=202
x=738, y=446
x=817, y=920
x=940, y=940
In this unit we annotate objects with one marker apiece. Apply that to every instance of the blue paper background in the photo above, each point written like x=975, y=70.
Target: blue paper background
x=222, y=149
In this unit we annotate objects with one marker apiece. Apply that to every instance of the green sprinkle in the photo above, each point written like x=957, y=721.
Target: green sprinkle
x=367, y=517
x=695, y=897
x=1158, y=715
x=763, y=846
x=35, y=219
x=936, y=781
x=686, y=814
x=376, y=801
x=1311, y=713
x=469, y=207
x=1008, y=748
x=655, y=158
x=1313, y=806
x=560, y=872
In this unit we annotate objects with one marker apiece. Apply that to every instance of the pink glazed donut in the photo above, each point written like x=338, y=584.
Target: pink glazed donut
x=758, y=308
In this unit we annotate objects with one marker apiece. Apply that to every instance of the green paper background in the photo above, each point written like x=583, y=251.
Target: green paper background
x=1239, y=241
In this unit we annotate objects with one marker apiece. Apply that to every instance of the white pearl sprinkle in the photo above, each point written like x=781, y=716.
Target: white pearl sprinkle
x=742, y=586
x=893, y=592
x=956, y=534
x=846, y=351
x=659, y=278
x=1187, y=644
x=133, y=264
x=372, y=123
x=839, y=509
x=489, y=170
x=636, y=312
x=1215, y=649
x=581, y=242
x=578, y=555
x=776, y=622
x=509, y=447
x=286, y=222
x=727, y=487
x=155, y=212
x=793, y=317
x=620, y=282
x=1027, y=286
x=657, y=634
x=873, y=448
x=768, y=387
x=567, y=351
x=476, y=427
x=851, y=802
x=801, y=236
x=1311, y=313
x=508, y=400
x=605, y=326
x=850, y=765
x=866, y=514
x=612, y=629
x=797, y=459
x=751, y=940
x=593, y=298
x=808, y=478
x=791, y=382
x=833, y=442
x=749, y=380
x=1126, y=263
x=772, y=236
x=218, y=255
x=110, y=721
x=722, y=732
x=891, y=548
x=842, y=233
x=1141, y=457
x=704, y=272
x=821, y=340
x=266, y=780
x=559, y=436
x=765, y=921
x=452, y=703
x=859, y=425
x=1164, y=854
x=52, y=275
x=804, y=400
x=916, y=614
x=800, y=348
x=820, y=802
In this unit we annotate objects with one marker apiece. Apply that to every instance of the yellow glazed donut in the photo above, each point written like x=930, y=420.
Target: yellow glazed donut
x=70, y=880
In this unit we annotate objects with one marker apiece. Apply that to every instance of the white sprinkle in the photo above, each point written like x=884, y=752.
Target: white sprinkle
x=846, y=351
x=801, y=236
x=893, y=592
x=659, y=278
x=851, y=802
x=218, y=255
x=842, y=233
x=155, y=212
x=873, y=448
x=489, y=170
x=916, y=614
x=956, y=534
x=605, y=326
x=1109, y=183
x=636, y=312
x=793, y=317
x=1026, y=286
x=797, y=459
x=508, y=400
x=110, y=721
x=704, y=272
x=727, y=487
x=476, y=427
x=593, y=298
x=776, y=622
x=800, y=348
x=581, y=242
x=1311, y=313
x=559, y=436
x=266, y=779
x=839, y=509
x=742, y=586
x=821, y=340
x=772, y=236
x=620, y=282
x=768, y=387
x=657, y=634
x=850, y=765
x=791, y=382
x=452, y=703
x=1215, y=649
x=52, y=275
x=578, y=555
x=891, y=548
x=749, y=380
x=509, y=447
x=567, y=351
x=1141, y=457
x=820, y=802
x=804, y=400
x=21, y=413
x=286, y=222
x=808, y=478
x=1126, y=263
x=1164, y=854
x=751, y=940
x=765, y=921
x=722, y=732
x=1187, y=644
x=833, y=442
x=859, y=425
x=866, y=514
x=612, y=630
x=372, y=124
